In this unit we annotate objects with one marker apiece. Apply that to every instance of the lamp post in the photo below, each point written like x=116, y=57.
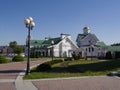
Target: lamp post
x=52, y=42
x=29, y=24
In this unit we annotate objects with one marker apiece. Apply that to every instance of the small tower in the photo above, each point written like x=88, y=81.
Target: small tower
x=86, y=30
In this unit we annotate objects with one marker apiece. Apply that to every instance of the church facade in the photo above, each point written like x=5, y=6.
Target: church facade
x=86, y=43
x=89, y=44
x=61, y=46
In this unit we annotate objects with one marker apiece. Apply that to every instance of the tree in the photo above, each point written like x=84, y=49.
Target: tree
x=108, y=55
x=13, y=44
x=16, y=48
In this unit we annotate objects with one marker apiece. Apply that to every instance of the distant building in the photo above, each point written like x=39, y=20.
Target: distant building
x=5, y=50
x=62, y=46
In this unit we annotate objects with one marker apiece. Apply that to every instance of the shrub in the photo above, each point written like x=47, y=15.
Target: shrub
x=3, y=59
x=117, y=54
x=44, y=67
x=76, y=56
x=108, y=55
x=54, y=61
x=18, y=58
x=68, y=59
x=48, y=65
x=34, y=55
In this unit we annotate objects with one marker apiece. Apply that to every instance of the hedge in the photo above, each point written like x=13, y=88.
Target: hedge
x=3, y=59
x=18, y=58
x=47, y=65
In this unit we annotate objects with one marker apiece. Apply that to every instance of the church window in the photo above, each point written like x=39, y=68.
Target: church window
x=89, y=49
x=92, y=49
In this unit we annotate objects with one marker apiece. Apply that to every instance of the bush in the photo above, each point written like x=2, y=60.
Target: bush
x=68, y=59
x=18, y=58
x=54, y=61
x=44, y=67
x=48, y=65
x=117, y=54
x=3, y=59
x=34, y=55
x=108, y=55
x=77, y=56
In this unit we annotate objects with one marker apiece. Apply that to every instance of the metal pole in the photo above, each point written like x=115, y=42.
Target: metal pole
x=28, y=58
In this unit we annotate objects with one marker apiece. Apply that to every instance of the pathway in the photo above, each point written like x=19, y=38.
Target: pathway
x=11, y=79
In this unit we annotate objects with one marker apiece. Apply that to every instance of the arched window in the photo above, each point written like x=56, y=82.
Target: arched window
x=89, y=49
x=92, y=49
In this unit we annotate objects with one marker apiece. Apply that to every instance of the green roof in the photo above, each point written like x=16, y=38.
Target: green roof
x=101, y=44
x=36, y=42
x=45, y=43
x=113, y=48
x=108, y=48
x=81, y=36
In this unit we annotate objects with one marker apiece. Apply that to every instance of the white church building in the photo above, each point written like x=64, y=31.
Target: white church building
x=89, y=44
x=61, y=46
x=86, y=43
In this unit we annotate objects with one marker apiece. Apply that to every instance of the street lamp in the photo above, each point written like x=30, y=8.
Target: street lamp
x=52, y=42
x=29, y=24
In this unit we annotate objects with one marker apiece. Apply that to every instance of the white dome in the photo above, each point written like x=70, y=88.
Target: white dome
x=86, y=28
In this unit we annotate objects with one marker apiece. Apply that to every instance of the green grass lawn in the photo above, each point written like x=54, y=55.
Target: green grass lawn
x=77, y=68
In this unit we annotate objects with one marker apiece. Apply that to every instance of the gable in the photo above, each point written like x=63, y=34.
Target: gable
x=83, y=40
x=91, y=37
x=68, y=42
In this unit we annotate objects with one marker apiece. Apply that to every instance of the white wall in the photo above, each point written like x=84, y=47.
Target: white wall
x=63, y=48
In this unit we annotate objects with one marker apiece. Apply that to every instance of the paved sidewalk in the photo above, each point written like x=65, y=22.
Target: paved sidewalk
x=11, y=76
x=82, y=83
x=11, y=79
x=22, y=84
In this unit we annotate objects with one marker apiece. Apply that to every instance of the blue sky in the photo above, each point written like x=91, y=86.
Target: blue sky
x=53, y=17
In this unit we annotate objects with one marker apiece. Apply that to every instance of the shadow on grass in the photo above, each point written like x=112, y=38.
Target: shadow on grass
x=93, y=67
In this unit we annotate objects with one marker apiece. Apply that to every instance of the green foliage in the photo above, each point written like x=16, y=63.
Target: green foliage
x=47, y=65
x=17, y=49
x=34, y=55
x=77, y=56
x=44, y=67
x=18, y=58
x=54, y=61
x=68, y=59
x=117, y=55
x=108, y=55
x=78, y=68
x=13, y=44
x=3, y=59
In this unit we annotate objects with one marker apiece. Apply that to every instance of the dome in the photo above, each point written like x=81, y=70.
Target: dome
x=86, y=28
